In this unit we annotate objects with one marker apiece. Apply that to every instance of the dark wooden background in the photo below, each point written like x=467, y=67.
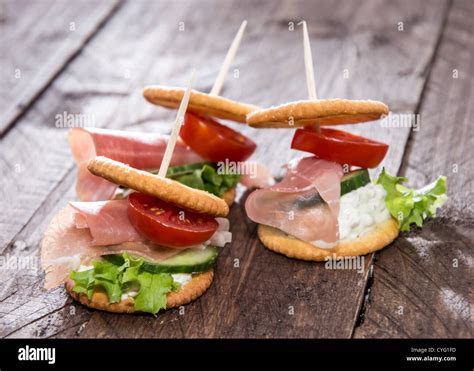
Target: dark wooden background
x=94, y=57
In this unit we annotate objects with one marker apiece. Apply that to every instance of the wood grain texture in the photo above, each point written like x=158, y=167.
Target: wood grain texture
x=261, y=294
x=38, y=38
x=276, y=286
x=423, y=284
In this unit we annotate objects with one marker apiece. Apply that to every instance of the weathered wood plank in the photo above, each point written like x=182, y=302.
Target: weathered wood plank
x=269, y=295
x=423, y=284
x=49, y=168
x=324, y=301
x=37, y=39
x=106, y=79
x=26, y=309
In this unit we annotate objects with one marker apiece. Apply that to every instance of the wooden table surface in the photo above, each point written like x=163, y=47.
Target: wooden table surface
x=93, y=58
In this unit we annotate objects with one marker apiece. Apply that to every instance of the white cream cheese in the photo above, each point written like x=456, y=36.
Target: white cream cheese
x=83, y=268
x=129, y=294
x=220, y=238
x=222, y=235
x=323, y=244
x=360, y=210
x=182, y=278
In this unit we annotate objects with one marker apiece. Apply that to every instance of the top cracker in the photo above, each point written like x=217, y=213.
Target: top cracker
x=163, y=188
x=202, y=103
x=317, y=112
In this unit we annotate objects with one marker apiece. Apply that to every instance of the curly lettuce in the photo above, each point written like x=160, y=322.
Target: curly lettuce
x=204, y=176
x=412, y=206
x=119, y=276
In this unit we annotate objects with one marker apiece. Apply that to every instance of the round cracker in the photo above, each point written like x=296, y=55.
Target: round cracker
x=202, y=103
x=321, y=112
x=189, y=292
x=381, y=235
x=229, y=196
x=163, y=188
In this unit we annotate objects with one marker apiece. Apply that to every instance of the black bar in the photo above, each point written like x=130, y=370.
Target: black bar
x=274, y=353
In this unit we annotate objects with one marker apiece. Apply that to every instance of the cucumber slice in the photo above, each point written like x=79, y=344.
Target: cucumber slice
x=188, y=261
x=349, y=182
x=353, y=180
x=114, y=259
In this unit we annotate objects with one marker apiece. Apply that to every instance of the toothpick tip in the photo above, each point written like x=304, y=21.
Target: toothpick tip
x=216, y=88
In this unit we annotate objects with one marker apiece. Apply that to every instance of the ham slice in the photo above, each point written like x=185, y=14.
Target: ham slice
x=65, y=247
x=107, y=221
x=259, y=178
x=140, y=150
x=108, y=224
x=295, y=205
x=83, y=231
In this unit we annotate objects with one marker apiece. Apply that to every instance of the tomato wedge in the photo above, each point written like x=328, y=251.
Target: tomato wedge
x=213, y=141
x=340, y=146
x=166, y=224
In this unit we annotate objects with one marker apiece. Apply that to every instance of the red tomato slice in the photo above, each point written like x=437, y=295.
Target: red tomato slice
x=213, y=141
x=167, y=225
x=340, y=146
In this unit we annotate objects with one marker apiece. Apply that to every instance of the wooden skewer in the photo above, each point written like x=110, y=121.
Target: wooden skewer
x=216, y=88
x=177, y=126
x=184, y=102
x=308, y=62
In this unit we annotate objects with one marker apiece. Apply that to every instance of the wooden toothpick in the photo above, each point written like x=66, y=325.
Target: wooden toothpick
x=177, y=126
x=308, y=62
x=216, y=89
x=184, y=102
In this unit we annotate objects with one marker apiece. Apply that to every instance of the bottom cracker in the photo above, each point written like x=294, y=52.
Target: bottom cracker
x=377, y=238
x=229, y=196
x=189, y=292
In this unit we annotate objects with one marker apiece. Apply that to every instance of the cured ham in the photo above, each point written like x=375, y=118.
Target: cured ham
x=65, y=247
x=108, y=224
x=258, y=177
x=84, y=231
x=107, y=221
x=140, y=150
x=305, y=204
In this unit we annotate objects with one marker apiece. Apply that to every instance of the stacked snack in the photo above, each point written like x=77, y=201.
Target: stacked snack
x=145, y=236
x=154, y=250
x=214, y=142
x=318, y=209
x=203, y=144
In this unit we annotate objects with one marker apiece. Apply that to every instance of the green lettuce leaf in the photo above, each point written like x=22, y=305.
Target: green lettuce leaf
x=115, y=276
x=133, y=269
x=201, y=175
x=153, y=290
x=412, y=206
x=205, y=177
x=83, y=282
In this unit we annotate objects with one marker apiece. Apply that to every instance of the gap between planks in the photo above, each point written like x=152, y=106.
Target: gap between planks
x=403, y=164
x=255, y=250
